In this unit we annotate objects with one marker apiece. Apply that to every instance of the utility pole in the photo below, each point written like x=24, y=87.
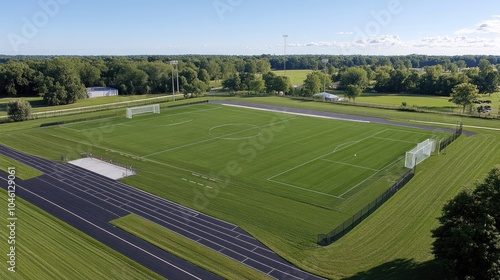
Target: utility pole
x=284, y=62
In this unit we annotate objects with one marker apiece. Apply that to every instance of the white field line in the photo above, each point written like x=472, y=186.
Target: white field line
x=383, y=168
x=412, y=132
x=450, y=124
x=327, y=154
x=304, y=189
x=298, y=114
x=353, y=165
x=209, y=139
x=113, y=235
x=169, y=115
x=395, y=140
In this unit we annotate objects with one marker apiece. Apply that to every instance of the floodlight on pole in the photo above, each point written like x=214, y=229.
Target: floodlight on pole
x=284, y=62
x=175, y=63
x=325, y=61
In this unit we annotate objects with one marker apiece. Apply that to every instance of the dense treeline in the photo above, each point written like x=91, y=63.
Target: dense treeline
x=410, y=61
x=62, y=80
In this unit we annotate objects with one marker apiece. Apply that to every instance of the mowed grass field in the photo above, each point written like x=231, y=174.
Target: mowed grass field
x=283, y=178
x=437, y=103
x=297, y=77
x=319, y=161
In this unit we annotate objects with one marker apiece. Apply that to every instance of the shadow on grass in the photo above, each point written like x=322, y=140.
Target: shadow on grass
x=402, y=269
x=38, y=103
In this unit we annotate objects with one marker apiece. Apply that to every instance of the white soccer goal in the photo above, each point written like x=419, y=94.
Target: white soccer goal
x=155, y=108
x=420, y=153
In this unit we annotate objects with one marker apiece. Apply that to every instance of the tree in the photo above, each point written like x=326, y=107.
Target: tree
x=464, y=94
x=257, y=85
x=275, y=83
x=312, y=84
x=263, y=66
x=232, y=83
x=488, y=79
x=354, y=76
x=19, y=110
x=196, y=87
x=16, y=78
x=353, y=91
x=461, y=65
x=282, y=84
x=467, y=242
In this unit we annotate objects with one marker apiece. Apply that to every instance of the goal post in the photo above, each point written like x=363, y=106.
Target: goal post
x=155, y=108
x=421, y=152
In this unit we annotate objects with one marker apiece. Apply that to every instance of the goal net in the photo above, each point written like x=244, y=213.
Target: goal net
x=420, y=153
x=155, y=108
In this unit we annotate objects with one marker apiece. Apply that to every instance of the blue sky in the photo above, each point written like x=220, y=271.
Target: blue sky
x=249, y=27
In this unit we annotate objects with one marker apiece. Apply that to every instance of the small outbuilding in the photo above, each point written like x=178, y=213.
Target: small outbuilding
x=327, y=96
x=94, y=92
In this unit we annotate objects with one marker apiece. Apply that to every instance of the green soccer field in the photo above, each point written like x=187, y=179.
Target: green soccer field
x=321, y=162
x=283, y=178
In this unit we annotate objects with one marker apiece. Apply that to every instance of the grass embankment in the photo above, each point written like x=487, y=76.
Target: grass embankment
x=38, y=104
x=23, y=171
x=186, y=249
x=47, y=248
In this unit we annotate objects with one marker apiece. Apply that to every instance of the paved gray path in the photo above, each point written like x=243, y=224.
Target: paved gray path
x=334, y=115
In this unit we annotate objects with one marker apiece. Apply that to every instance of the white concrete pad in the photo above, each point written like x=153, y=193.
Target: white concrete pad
x=103, y=168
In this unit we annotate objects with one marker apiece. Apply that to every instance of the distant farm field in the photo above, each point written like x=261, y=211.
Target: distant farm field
x=297, y=77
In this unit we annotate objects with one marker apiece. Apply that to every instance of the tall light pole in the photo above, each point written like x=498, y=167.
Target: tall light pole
x=175, y=63
x=325, y=61
x=284, y=63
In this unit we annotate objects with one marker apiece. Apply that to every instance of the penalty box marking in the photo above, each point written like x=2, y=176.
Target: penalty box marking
x=348, y=164
x=344, y=146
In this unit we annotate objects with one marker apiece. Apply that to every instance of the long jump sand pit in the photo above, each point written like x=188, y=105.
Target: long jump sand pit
x=103, y=168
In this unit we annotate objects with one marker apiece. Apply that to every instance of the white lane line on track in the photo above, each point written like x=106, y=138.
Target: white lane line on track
x=98, y=178
x=112, y=234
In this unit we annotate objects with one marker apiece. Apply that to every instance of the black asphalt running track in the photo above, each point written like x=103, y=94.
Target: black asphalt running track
x=88, y=201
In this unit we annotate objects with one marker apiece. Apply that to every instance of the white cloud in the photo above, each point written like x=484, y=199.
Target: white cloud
x=456, y=42
x=393, y=44
x=490, y=26
x=344, y=33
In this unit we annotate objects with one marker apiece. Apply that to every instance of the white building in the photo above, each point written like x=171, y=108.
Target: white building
x=94, y=92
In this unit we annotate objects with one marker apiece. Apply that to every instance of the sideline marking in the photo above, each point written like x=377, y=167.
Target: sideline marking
x=450, y=124
x=297, y=114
